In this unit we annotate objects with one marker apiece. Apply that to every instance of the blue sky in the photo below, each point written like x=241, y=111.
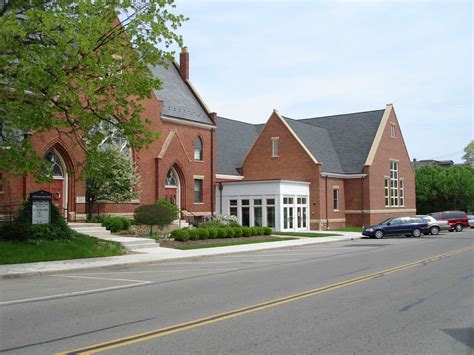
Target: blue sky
x=315, y=58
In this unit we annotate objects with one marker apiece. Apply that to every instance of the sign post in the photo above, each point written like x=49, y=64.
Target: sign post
x=41, y=207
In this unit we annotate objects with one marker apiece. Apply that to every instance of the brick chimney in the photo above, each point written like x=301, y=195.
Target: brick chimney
x=184, y=63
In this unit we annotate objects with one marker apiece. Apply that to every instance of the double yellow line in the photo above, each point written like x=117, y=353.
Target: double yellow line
x=132, y=339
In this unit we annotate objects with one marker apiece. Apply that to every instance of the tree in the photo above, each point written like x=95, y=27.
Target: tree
x=69, y=65
x=439, y=189
x=154, y=215
x=468, y=156
x=110, y=175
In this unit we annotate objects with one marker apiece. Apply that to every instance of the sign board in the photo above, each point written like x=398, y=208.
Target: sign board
x=41, y=207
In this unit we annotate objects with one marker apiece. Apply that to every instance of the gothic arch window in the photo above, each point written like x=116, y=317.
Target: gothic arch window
x=198, y=148
x=56, y=169
x=171, y=178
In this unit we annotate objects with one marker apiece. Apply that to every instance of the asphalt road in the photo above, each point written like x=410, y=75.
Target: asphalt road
x=395, y=295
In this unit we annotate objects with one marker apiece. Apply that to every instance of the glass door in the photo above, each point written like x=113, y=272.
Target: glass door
x=288, y=213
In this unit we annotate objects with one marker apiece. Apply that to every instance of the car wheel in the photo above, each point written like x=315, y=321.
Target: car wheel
x=416, y=233
x=379, y=234
x=434, y=230
x=458, y=227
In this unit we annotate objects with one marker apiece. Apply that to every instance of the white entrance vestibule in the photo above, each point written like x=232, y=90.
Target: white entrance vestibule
x=280, y=204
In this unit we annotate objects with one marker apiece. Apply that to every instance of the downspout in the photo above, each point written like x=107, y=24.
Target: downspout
x=327, y=217
x=362, y=200
x=221, y=187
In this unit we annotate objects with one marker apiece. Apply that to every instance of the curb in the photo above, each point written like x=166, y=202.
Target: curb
x=16, y=275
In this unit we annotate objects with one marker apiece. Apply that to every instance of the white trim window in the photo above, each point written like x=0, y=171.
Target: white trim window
x=393, y=130
x=233, y=208
x=275, y=147
x=335, y=198
x=387, y=191
x=402, y=193
x=198, y=149
x=198, y=191
x=270, y=212
x=394, y=183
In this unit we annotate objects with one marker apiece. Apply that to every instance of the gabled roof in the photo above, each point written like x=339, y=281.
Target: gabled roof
x=233, y=140
x=340, y=143
x=352, y=136
x=179, y=101
x=319, y=144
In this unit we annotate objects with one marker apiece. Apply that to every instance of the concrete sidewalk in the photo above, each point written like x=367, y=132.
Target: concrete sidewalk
x=155, y=255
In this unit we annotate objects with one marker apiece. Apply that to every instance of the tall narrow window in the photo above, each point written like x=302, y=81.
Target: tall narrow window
x=402, y=192
x=233, y=207
x=387, y=191
x=198, y=149
x=335, y=198
x=393, y=183
x=197, y=190
x=393, y=132
x=275, y=147
x=271, y=212
x=257, y=212
x=246, y=213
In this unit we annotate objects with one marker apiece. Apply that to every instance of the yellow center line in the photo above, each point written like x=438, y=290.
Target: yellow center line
x=136, y=338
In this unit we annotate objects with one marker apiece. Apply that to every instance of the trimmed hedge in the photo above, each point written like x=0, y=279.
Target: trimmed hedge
x=116, y=223
x=183, y=235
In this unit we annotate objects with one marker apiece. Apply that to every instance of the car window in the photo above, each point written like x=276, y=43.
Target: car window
x=395, y=221
x=434, y=215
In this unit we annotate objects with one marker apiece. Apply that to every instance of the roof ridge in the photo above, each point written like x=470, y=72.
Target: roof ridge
x=234, y=120
x=308, y=124
x=339, y=114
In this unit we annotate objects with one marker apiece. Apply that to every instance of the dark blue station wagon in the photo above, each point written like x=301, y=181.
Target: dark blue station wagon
x=409, y=226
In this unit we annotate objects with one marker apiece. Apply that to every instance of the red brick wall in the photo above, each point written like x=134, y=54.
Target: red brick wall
x=151, y=169
x=388, y=149
x=292, y=163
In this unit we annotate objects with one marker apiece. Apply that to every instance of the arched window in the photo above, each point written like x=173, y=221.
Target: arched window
x=171, y=178
x=198, y=149
x=56, y=169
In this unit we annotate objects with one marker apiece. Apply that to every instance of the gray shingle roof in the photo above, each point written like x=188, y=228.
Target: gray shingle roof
x=318, y=142
x=340, y=143
x=178, y=99
x=233, y=141
x=352, y=136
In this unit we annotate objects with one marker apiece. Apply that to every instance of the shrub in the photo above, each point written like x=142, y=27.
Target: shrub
x=203, y=233
x=212, y=224
x=229, y=232
x=227, y=220
x=260, y=230
x=193, y=234
x=49, y=232
x=267, y=230
x=254, y=230
x=170, y=206
x=221, y=232
x=212, y=233
x=154, y=215
x=115, y=224
x=237, y=232
x=246, y=232
x=21, y=229
x=180, y=235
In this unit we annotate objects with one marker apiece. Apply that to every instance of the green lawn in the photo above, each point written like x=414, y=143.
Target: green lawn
x=225, y=244
x=309, y=235
x=348, y=229
x=79, y=247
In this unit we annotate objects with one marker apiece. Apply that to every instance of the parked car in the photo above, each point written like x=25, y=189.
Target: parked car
x=409, y=226
x=434, y=225
x=470, y=217
x=457, y=220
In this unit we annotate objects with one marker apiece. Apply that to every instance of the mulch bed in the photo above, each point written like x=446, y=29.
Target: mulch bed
x=169, y=243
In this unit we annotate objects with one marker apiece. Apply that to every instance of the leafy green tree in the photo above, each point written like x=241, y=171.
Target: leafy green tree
x=110, y=176
x=154, y=215
x=70, y=65
x=439, y=189
x=468, y=156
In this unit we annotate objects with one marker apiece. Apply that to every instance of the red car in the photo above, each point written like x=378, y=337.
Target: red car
x=457, y=220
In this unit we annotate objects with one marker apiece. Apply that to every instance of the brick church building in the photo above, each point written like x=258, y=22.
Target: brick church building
x=178, y=167
x=315, y=173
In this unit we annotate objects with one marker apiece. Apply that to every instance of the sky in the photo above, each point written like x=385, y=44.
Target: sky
x=317, y=58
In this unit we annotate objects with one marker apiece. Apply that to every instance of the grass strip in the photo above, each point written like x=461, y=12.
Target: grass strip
x=348, y=229
x=78, y=247
x=225, y=244
x=309, y=235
